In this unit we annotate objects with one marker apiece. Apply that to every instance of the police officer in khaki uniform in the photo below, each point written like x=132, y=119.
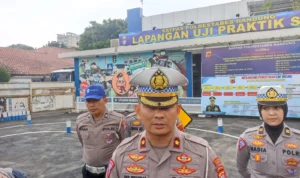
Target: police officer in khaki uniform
x=162, y=151
x=272, y=149
x=99, y=132
x=132, y=125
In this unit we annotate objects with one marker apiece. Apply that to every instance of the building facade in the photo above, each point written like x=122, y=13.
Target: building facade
x=69, y=39
x=223, y=51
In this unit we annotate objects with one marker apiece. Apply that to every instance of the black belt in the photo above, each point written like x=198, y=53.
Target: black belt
x=95, y=170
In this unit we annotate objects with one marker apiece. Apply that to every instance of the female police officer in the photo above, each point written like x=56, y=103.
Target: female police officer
x=272, y=149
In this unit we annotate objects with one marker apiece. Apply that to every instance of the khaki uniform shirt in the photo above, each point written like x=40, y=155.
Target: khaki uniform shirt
x=99, y=138
x=186, y=156
x=268, y=160
x=132, y=125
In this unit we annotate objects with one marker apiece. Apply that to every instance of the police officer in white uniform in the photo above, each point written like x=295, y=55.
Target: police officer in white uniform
x=271, y=150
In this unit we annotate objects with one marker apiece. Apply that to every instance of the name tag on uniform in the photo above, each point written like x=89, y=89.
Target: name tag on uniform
x=83, y=129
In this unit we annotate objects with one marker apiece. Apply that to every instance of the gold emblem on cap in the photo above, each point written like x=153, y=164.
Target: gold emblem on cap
x=272, y=93
x=159, y=81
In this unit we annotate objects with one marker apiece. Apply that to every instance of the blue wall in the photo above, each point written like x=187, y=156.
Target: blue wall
x=134, y=20
x=76, y=73
x=189, y=73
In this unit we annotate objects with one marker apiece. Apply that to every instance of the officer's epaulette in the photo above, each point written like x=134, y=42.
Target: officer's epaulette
x=296, y=132
x=195, y=139
x=252, y=129
x=131, y=115
x=127, y=142
x=82, y=116
x=113, y=113
x=193, y=144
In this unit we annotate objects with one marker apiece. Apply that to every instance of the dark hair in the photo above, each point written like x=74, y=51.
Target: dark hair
x=284, y=108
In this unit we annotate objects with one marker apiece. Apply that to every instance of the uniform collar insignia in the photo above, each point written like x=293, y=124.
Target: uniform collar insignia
x=261, y=130
x=287, y=131
x=176, y=143
x=143, y=143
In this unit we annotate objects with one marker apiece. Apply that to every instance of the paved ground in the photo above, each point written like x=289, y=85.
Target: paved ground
x=57, y=154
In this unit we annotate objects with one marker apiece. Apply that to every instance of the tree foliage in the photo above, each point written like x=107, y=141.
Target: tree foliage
x=267, y=6
x=21, y=46
x=4, y=75
x=296, y=4
x=98, y=35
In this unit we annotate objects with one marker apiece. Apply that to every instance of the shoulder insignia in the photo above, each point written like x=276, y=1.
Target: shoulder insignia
x=261, y=130
x=81, y=118
x=128, y=140
x=252, y=129
x=195, y=139
x=241, y=144
x=295, y=131
x=113, y=113
x=287, y=131
x=131, y=115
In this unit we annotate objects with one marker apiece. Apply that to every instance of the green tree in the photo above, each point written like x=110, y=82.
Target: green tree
x=98, y=36
x=267, y=6
x=4, y=75
x=296, y=4
x=21, y=46
x=56, y=44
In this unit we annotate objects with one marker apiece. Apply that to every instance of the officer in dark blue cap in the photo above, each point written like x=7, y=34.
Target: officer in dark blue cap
x=99, y=131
